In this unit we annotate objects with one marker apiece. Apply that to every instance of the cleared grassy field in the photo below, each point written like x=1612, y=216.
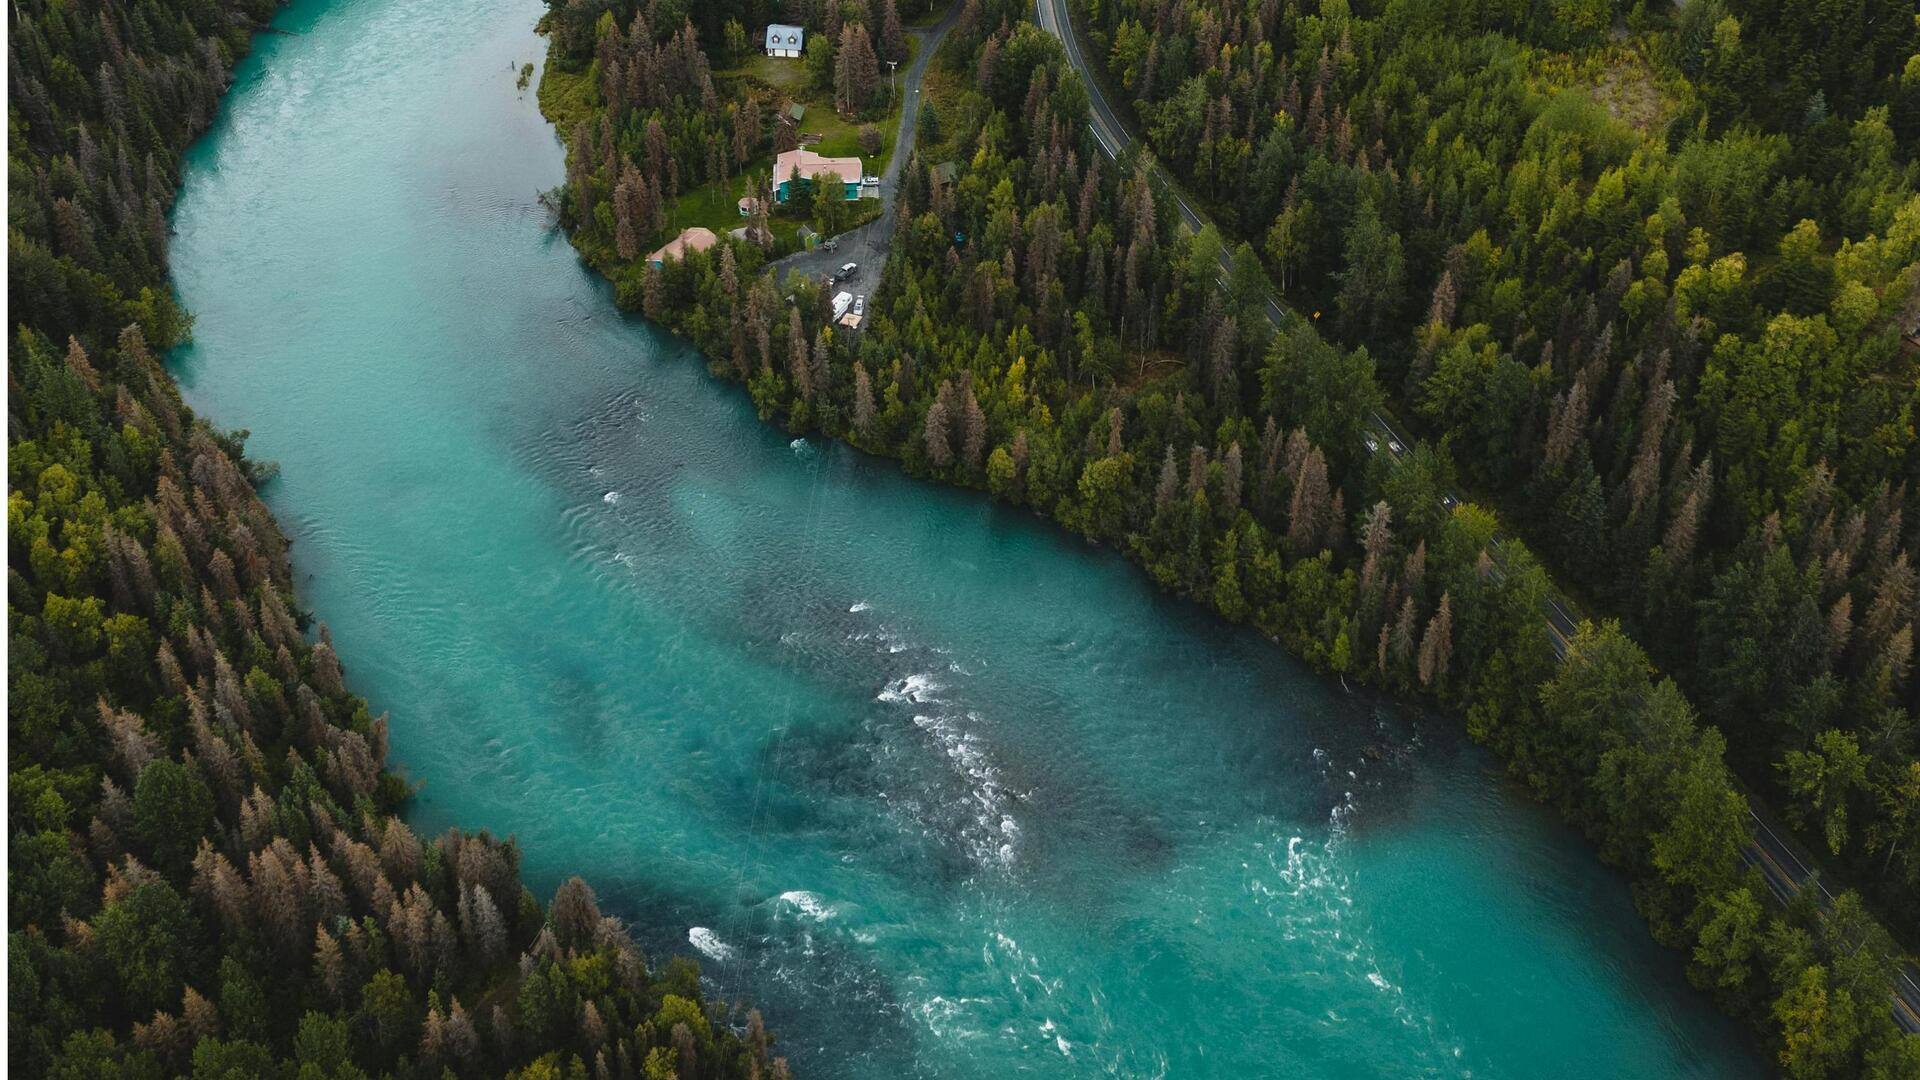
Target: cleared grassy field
x=839, y=136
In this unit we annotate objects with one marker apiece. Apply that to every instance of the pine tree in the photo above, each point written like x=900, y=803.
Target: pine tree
x=653, y=294
x=939, y=449
x=1168, y=488
x=974, y=427
x=627, y=207
x=575, y=915
x=481, y=924
x=893, y=39
x=798, y=358
x=1232, y=478
x=1436, y=646
x=862, y=402
x=1312, y=505
x=1401, y=644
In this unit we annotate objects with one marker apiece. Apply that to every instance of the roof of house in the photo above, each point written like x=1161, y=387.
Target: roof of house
x=946, y=171
x=696, y=238
x=806, y=164
x=782, y=36
x=796, y=112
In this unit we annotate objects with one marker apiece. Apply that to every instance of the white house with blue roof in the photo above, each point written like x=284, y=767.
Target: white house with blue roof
x=784, y=40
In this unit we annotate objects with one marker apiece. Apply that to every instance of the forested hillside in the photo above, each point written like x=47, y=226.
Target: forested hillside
x=1648, y=276
x=206, y=873
x=1046, y=330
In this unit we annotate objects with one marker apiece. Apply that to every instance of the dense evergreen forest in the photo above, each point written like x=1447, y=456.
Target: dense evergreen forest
x=1716, y=452
x=206, y=873
x=1649, y=276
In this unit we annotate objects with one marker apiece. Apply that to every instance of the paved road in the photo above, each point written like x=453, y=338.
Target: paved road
x=1786, y=873
x=867, y=245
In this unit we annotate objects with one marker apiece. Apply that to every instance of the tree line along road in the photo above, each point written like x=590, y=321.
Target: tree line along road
x=1785, y=871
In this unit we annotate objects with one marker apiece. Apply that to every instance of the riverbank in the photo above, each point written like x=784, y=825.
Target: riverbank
x=764, y=688
x=208, y=871
x=1330, y=610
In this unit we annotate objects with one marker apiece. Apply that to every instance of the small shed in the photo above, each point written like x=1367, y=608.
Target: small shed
x=785, y=41
x=795, y=113
x=747, y=234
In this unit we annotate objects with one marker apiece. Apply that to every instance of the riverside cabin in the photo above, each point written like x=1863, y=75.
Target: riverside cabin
x=692, y=239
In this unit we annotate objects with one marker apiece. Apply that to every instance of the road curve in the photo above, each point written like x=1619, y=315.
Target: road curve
x=1785, y=872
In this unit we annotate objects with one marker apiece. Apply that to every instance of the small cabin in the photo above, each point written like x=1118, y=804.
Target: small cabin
x=784, y=41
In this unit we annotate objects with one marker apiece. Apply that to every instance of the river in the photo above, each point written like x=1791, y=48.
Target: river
x=942, y=790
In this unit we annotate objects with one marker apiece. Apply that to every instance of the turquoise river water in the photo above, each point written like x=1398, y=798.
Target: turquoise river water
x=940, y=789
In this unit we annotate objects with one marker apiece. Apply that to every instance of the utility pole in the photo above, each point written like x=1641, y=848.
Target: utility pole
x=893, y=91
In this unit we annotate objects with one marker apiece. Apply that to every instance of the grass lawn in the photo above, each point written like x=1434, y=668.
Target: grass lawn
x=782, y=74
x=565, y=97
x=716, y=206
x=839, y=137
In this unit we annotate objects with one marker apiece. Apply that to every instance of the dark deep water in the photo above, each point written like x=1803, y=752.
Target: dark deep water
x=944, y=791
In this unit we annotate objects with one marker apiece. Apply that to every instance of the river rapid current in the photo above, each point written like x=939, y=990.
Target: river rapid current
x=942, y=790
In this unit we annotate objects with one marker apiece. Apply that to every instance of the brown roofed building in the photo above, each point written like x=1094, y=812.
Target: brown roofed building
x=697, y=238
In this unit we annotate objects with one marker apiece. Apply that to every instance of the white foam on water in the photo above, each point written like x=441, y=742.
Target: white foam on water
x=1059, y=1040
x=709, y=943
x=1311, y=896
x=916, y=689
x=610, y=498
x=799, y=446
x=886, y=636
x=993, y=834
x=807, y=904
x=860, y=606
x=948, y=1018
